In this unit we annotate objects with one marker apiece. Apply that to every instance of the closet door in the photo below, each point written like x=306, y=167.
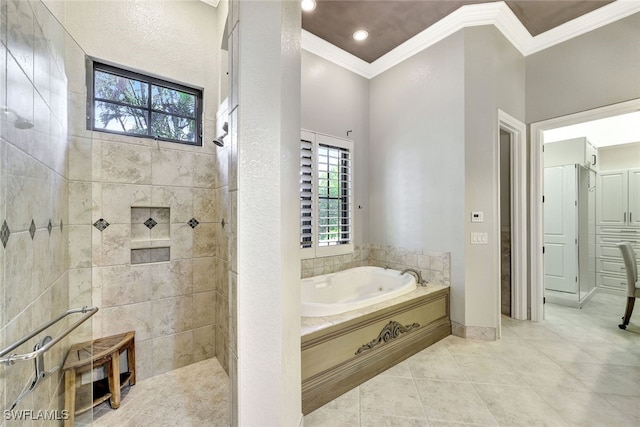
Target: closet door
x=560, y=229
x=634, y=198
x=611, y=204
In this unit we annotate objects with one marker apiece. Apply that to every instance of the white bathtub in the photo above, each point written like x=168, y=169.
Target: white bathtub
x=352, y=289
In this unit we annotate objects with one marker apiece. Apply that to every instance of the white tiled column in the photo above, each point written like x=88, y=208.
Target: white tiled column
x=264, y=294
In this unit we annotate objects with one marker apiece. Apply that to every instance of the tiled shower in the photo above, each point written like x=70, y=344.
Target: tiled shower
x=133, y=226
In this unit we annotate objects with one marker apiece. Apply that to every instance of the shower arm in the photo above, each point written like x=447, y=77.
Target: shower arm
x=13, y=358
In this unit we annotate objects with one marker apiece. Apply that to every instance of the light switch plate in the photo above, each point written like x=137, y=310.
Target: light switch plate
x=479, y=238
x=477, y=216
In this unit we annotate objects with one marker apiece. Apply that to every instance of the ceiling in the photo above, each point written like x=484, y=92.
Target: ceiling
x=392, y=22
x=616, y=130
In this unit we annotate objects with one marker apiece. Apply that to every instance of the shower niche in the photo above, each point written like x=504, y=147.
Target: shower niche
x=150, y=235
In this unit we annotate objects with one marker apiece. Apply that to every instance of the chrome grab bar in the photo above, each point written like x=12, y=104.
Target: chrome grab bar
x=13, y=358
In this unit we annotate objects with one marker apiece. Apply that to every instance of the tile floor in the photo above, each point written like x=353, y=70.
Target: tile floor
x=575, y=369
x=195, y=395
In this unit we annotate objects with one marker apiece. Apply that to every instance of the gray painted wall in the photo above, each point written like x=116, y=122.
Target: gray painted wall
x=596, y=69
x=494, y=79
x=335, y=100
x=417, y=156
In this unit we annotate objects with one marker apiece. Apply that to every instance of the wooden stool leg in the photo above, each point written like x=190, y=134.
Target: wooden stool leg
x=627, y=314
x=131, y=360
x=70, y=396
x=114, y=380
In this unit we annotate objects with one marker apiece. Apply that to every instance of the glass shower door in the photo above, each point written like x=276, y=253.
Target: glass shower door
x=45, y=207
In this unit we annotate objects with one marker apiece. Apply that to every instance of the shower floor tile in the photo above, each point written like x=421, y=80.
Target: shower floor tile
x=195, y=395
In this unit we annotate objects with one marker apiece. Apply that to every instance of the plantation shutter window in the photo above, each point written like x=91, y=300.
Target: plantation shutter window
x=326, y=194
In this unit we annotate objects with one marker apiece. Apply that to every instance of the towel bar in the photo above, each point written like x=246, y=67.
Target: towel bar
x=10, y=360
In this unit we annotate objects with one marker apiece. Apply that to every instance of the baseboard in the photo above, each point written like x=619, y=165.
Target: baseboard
x=478, y=333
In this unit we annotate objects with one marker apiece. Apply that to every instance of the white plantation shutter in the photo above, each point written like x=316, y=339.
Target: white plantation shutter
x=306, y=194
x=326, y=193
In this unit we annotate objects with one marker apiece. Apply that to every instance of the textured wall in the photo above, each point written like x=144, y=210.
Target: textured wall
x=593, y=70
x=416, y=157
x=333, y=101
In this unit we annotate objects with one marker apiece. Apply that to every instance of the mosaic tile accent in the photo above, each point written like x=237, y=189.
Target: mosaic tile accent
x=150, y=223
x=49, y=227
x=5, y=232
x=193, y=223
x=32, y=229
x=101, y=224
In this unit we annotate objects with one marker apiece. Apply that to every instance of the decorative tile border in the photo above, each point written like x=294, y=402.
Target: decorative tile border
x=101, y=224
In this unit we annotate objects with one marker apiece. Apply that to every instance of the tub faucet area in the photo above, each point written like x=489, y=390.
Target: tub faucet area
x=417, y=274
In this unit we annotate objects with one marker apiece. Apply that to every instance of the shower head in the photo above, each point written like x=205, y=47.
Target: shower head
x=220, y=140
x=20, y=122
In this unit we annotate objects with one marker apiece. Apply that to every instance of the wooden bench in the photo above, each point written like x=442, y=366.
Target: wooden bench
x=85, y=357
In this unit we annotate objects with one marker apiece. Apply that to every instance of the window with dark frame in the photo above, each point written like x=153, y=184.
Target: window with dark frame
x=130, y=103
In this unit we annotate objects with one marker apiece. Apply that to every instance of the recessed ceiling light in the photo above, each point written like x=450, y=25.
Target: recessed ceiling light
x=360, y=35
x=308, y=5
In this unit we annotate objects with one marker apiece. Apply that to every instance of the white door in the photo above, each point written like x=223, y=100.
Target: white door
x=634, y=197
x=611, y=196
x=560, y=229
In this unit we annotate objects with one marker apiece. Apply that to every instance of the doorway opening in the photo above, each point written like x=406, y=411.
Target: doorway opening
x=537, y=190
x=505, y=224
x=511, y=204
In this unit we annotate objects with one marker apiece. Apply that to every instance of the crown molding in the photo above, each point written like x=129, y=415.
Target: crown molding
x=497, y=14
x=213, y=3
x=314, y=44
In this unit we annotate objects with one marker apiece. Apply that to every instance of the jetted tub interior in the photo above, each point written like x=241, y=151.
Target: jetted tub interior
x=336, y=293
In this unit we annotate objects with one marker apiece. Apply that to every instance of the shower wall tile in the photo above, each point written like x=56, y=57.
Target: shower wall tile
x=206, y=205
x=20, y=34
x=77, y=113
x=80, y=202
x=132, y=317
x=116, y=244
x=172, y=352
x=126, y=163
x=172, y=315
x=79, y=246
x=123, y=284
x=117, y=200
x=204, y=171
x=205, y=273
x=181, y=241
x=204, y=309
x=144, y=359
x=172, y=167
x=18, y=293
x=80, y=287
x=80, y=158
x=172, y=279
x=178, y=199
x=204, y=343
x=222, y=349
x=222, y=167
x=205, y=236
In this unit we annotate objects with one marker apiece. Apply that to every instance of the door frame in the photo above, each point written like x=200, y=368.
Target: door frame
x=517, y=132
x=537, y=186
